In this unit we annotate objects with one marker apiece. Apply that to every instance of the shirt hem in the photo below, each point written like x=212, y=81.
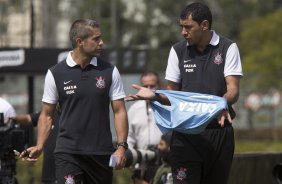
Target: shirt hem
x=228, y=74
x=172, y=79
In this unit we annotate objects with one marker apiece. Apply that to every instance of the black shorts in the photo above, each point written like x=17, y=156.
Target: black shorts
x=48, y=168
x=203, y=158
x=83, y=169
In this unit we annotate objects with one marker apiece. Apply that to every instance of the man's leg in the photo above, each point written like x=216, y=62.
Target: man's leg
x=67, y=170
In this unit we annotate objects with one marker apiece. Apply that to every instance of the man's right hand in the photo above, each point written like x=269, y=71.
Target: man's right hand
x=31, y=153
x=142, y=94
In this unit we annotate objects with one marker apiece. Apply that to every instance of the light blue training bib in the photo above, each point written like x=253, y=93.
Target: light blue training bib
x=189, y=112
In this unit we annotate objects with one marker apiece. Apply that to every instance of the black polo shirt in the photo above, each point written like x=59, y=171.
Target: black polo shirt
x=84, y=96
x=204, y=72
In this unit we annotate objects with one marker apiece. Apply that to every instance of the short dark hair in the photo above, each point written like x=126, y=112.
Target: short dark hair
x=199, y=13
x=80, y=29
x=147, y=73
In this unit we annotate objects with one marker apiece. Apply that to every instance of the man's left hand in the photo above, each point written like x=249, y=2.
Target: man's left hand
x=224, y=116
x=121, y=158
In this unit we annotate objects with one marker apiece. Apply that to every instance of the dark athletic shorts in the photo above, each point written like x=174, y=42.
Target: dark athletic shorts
x=83, y=169
x=203, y=158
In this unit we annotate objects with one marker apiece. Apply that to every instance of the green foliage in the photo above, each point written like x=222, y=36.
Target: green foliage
x=154, y=23
x=260, y=45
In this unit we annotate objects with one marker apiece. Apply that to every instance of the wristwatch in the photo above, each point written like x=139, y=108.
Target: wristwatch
x=123, y=144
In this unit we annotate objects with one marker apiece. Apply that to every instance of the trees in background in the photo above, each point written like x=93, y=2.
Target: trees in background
x=260, y=45
x=7, y=7
x=152, y=24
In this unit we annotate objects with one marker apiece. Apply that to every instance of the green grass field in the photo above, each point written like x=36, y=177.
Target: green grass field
x=30, y=173
x=258, y=146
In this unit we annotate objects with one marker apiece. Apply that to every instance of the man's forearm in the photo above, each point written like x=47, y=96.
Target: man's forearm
x=231, y=98
x=44, y=128
x=232, y=94
x=121, y=127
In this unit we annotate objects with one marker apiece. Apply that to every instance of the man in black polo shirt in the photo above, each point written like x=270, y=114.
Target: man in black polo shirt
x=84, y=85
x=207, y=63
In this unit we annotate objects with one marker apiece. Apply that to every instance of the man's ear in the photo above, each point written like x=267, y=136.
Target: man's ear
x=78, y=41
x=205, y=25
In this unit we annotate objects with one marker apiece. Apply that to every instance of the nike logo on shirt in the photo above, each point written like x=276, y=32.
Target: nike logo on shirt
x=67, y=82
x=186, y=61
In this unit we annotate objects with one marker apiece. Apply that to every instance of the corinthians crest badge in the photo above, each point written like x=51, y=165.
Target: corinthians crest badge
x=218, y=58
x=100, y=82
x=181, y=174
x=69, y=179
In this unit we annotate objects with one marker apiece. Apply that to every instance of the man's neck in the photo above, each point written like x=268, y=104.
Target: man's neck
x=207, y=36
x=80, y=59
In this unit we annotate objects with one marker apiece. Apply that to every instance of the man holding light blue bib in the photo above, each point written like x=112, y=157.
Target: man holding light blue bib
x=207, y=64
